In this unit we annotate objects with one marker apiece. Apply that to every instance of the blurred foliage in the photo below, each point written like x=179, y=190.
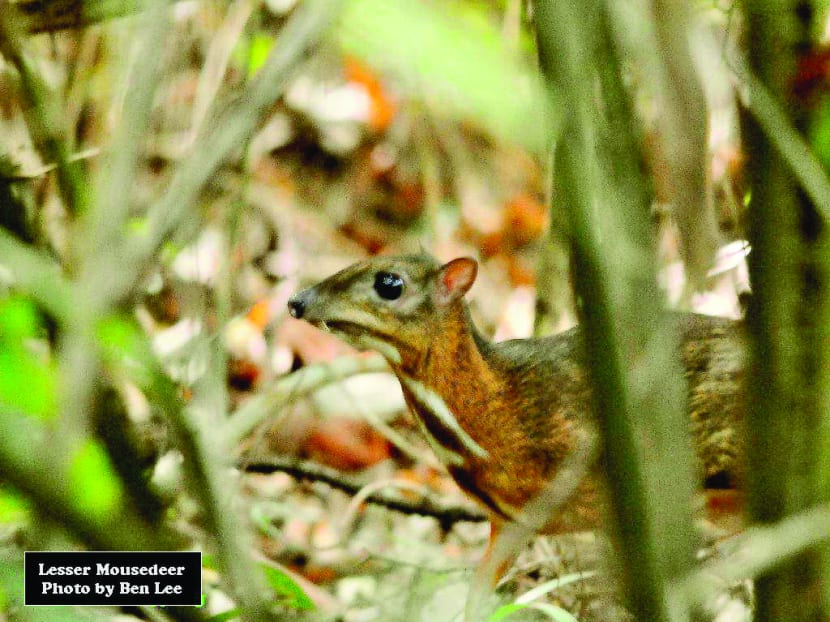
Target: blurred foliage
x=155, y=215
x=286, y=590
x=13, y=507
x=455, y=60
x=93, y=483
x=22, y=367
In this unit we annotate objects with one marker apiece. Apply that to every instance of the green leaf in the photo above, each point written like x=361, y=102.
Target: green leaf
x=13, y=507
x=504, y=611
x=258, y=51
x=95, y=488
x=552, y=611
x=455, y=60
x=230, y=614
x=18, y=319
x=125, y=346
x=119, y=336
x=27, y=383
x=287, y=590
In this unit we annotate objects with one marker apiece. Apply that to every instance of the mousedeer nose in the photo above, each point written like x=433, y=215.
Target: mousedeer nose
x=300, y=303
x=296, y=306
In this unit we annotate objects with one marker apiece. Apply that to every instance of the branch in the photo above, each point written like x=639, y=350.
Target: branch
x=447, y=515
x=40, y=109
x=758, y=550
x=52, y=15
x=292, y=387
x=629, y=347
x=44, y=477
x=684, y=138
x=782, y=135
x=36, y=274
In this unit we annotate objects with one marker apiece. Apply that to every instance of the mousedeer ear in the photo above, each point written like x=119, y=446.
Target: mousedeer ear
x=455, y=278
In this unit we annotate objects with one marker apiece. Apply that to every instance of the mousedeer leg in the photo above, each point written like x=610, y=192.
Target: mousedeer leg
x=492, y=567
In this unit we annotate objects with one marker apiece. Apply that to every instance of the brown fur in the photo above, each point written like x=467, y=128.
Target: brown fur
x=525, y=401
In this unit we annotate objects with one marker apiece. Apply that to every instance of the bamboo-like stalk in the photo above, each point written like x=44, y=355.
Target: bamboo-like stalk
x=638, y=393
x=684, y=137
x=787, y=315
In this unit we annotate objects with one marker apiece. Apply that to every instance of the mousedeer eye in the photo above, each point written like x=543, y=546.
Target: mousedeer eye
x=388, y=285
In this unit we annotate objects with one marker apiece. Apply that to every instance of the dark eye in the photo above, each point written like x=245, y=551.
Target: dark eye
x=388, y=285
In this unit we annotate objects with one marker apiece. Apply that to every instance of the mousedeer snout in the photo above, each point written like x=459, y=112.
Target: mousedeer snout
x=299, y=302
x=296, y=307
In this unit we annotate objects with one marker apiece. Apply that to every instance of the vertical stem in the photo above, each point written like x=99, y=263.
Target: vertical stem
x=683, y=122
x=630, y=347
x=40, y=109
x=786, y=318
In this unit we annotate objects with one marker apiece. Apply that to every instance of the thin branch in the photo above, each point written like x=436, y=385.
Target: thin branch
x=780, y=132
x=35, y=274
x=54, y=15
x=787, y=313
x=630, y=350
x=48, y=168
x=533, y=517
x=684, y=125
x=101, y=228
x=222, y=45
x=427, y=505
x=44, y=477
x=758, y=550
x=293, y=387
x=40, y=109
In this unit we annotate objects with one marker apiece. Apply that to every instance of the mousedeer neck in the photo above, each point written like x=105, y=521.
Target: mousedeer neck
x=452, y=347
x=447, y=384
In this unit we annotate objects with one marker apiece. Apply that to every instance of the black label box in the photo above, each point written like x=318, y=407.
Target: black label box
x=113, y=578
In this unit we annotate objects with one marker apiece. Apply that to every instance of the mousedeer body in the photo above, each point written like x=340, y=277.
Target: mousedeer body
x=503, y=416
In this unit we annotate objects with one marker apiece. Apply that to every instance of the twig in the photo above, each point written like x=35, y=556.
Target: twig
x=758, y=550
x=293, y=387
x=35, y=274
x=222, y=45
x=353, y=510
x=54, y=15
x=397, y=439
x=48, y=168
x=684, y=124
x=784, y=137
x=531, y=519
x=40, y=109
x=426, y=506
x=209, y=484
